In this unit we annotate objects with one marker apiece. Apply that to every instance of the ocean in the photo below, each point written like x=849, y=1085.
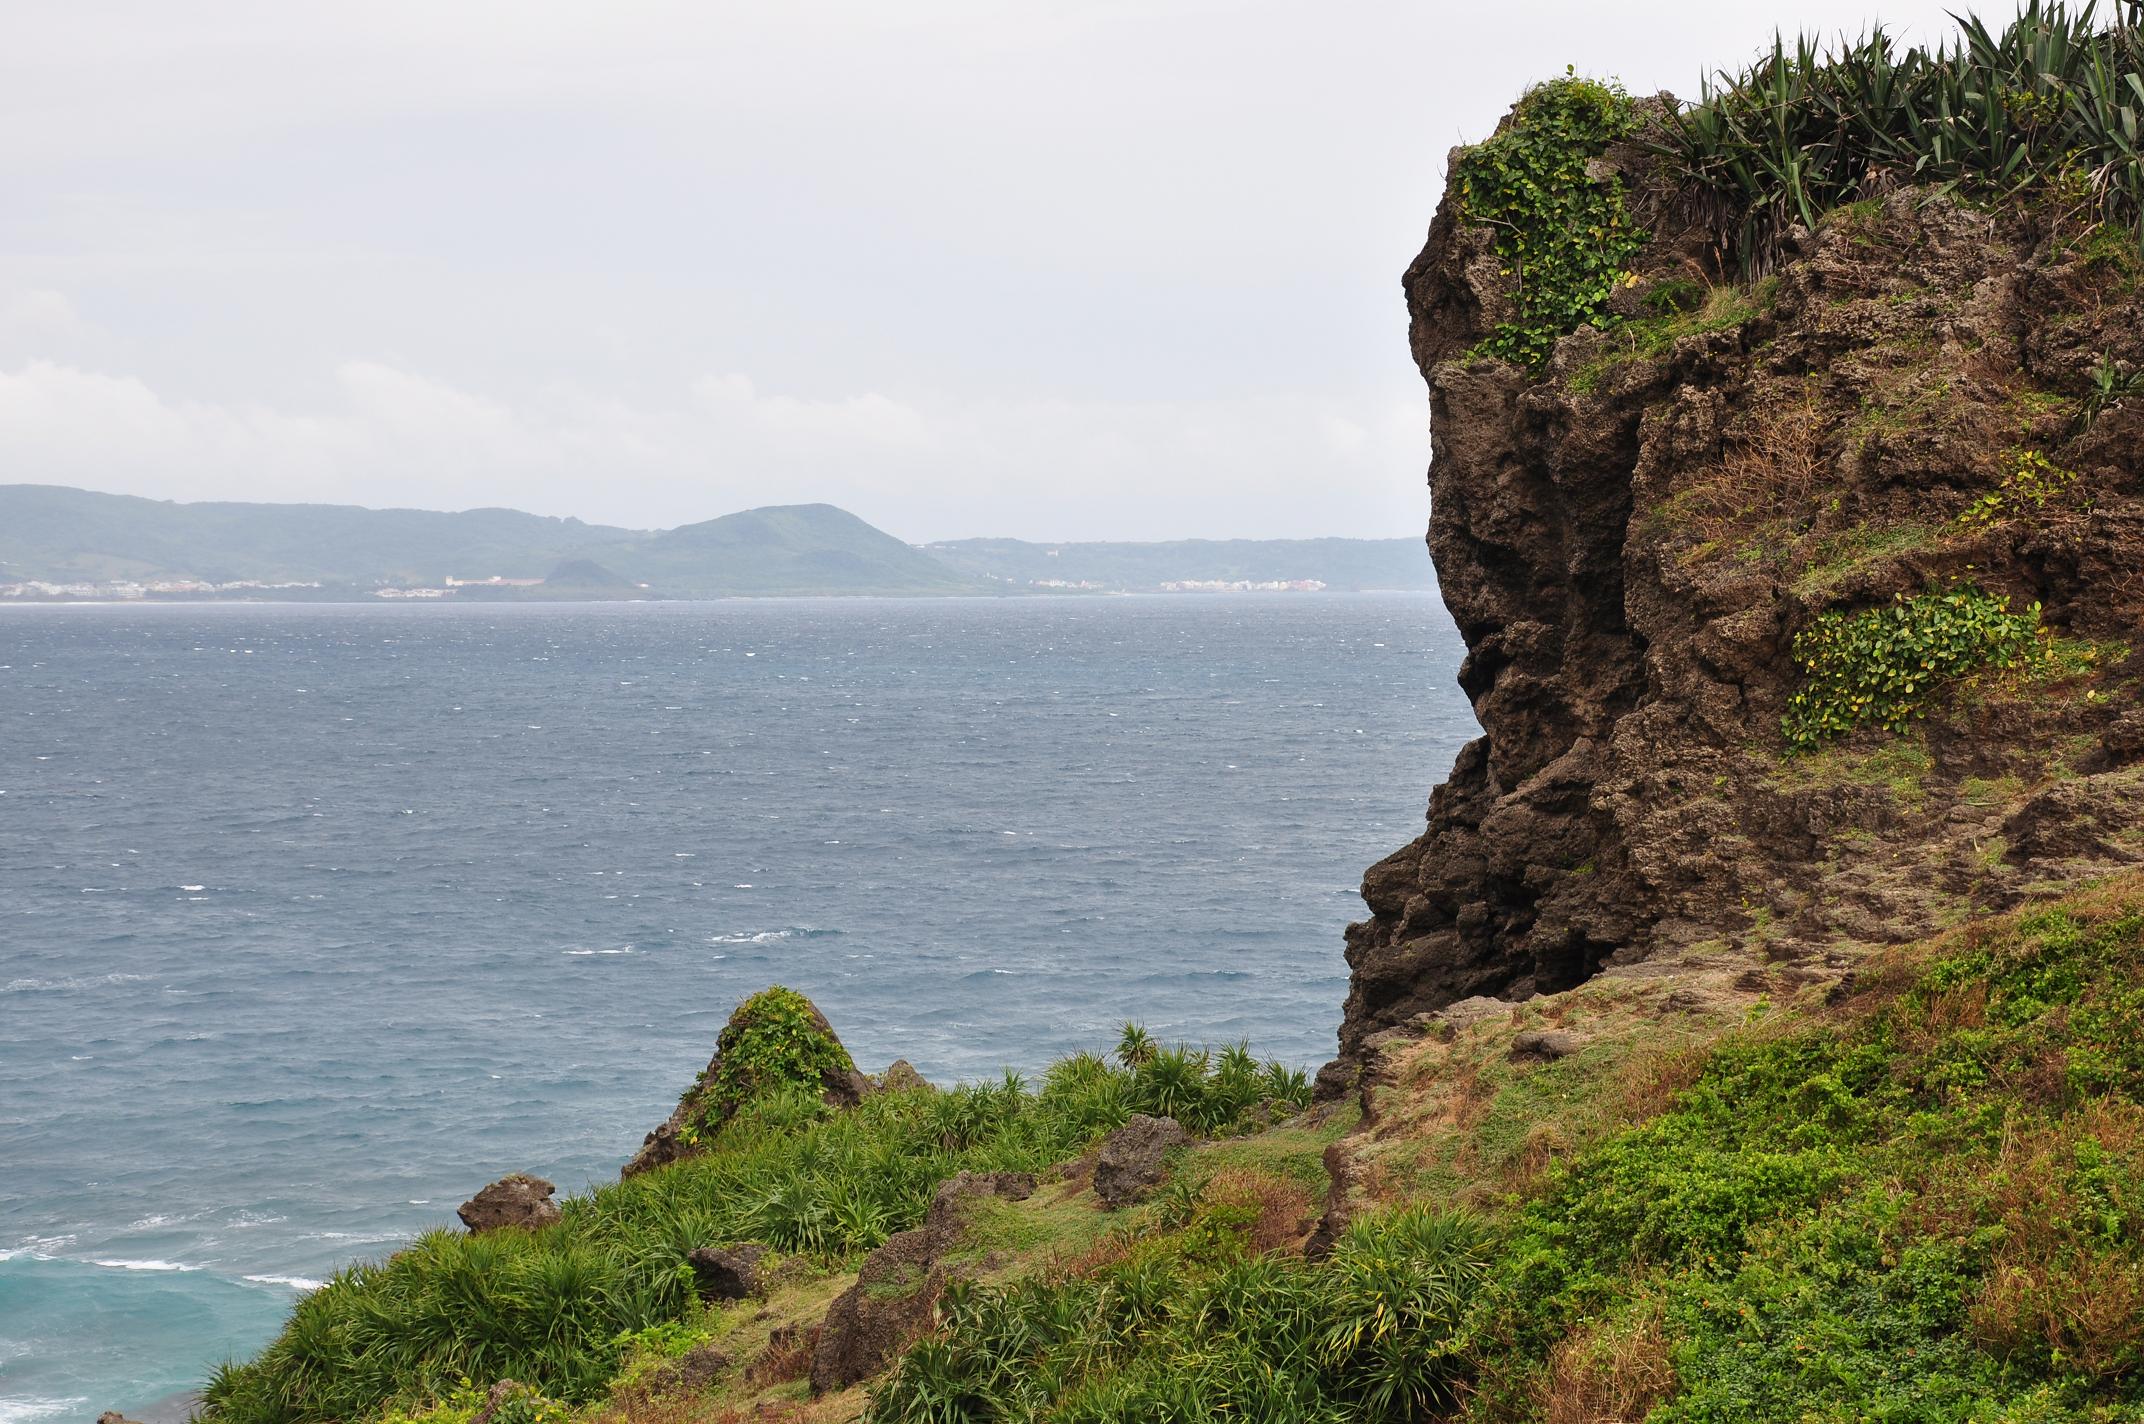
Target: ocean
x=314, y=919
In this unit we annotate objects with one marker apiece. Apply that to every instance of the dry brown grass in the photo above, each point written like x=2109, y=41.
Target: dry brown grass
x=2059, y=1284
x=1278, y=1206
x=787, y=1356
x=1775, y=466
x=1613, y=1374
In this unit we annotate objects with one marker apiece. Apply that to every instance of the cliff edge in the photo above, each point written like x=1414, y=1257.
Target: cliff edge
x=1650, y=532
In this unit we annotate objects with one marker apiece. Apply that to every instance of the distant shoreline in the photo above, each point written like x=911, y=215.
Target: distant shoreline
x=991, y=595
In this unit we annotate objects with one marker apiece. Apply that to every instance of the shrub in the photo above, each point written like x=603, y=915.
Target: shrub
x=774, y=1042
x=1567, y=238
x=1883, y=667
x=1198, y=1325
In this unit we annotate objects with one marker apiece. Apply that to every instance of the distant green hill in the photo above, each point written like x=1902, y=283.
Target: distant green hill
x=50, y=532
x=1336, y=563
x=68, y=535
x=57, y=535
x=788, y=548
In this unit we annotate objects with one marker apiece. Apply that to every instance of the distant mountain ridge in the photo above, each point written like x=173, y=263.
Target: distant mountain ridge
x=54, y=534
x=76, y=541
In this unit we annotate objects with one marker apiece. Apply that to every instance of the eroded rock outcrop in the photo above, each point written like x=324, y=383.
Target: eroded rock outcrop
x=1134, y=1159
x=1631, y=537
x=775, y=1038
x=516, y=1201
x=895, y=1297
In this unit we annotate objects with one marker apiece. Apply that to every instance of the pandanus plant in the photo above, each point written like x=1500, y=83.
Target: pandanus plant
x=2049, y=103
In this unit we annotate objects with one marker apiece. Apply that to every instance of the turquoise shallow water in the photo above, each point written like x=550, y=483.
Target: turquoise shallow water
x=315, y=919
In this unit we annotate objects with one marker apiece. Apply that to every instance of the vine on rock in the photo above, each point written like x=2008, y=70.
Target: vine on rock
x=1565, y=235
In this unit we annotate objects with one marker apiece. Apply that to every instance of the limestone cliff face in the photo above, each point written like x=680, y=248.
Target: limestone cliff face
x=1631, y=537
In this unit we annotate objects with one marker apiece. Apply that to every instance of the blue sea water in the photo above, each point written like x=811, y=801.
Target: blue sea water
x=315, y=919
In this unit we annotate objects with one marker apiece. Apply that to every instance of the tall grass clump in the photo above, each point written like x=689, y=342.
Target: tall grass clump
x=548, y=1307
x=2047, y=107
x=1196, y=1325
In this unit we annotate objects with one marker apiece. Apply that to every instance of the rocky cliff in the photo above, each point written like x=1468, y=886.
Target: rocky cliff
x=1922, y=398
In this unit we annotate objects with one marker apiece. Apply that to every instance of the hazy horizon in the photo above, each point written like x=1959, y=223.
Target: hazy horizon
x=904, y=535
x=1125, y=271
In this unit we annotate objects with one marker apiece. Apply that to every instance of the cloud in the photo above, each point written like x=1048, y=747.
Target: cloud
x=1046, y=469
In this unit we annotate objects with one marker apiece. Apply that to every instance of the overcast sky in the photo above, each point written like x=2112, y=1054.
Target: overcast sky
x=1062, y=269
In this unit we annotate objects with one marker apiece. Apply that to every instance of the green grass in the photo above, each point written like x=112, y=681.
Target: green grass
x=1926, y=1207
x=549, y=1307
x=1711, y=309
x=1835, y=558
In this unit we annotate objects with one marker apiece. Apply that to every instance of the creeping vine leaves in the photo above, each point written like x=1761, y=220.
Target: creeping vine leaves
x=1564, y=236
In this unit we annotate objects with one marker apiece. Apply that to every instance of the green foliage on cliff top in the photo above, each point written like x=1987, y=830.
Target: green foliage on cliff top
x=774, y=1042
x=1883, y=667
x=1566, y=238
x=2045, y=109
x=549, y=1307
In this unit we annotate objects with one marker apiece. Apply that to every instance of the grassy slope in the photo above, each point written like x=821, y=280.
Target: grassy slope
x=1918, y=1197
x=1921, y=1202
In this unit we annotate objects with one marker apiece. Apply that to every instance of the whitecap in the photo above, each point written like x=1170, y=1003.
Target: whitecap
x=303, y=1283
x=144, y=1266
x=24, y=1411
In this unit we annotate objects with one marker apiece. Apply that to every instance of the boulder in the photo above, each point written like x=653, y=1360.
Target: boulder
x=901, y=1077
x=690, y=1373
x=516, y=1200
x=1133, y=1158
x=113, y=1416
x=726, y=1273
x=1543, y=1045
x=895, y=1298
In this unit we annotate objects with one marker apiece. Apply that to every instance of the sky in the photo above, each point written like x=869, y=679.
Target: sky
x=1060, y=269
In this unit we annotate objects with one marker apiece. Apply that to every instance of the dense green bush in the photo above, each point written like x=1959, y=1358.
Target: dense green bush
x=1930, y=1211
x=1833, y=1223
x=2046, y=107
x=1883, y=667
x=548, y=1307
x=1566, y=238
x=775, y=1041
x=1195, y=1326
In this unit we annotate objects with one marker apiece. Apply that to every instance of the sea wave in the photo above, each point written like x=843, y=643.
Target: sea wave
x=62, y=986
x=303, y=1283
x=16, y=1410
x=772, y=936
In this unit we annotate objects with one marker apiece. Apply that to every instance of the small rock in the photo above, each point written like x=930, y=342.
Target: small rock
x=516, y=1200
x=113, y=1416
x=691, y=1372
x=944, y=1219
x=1133, y=1158
x=901, y=1077
x=1543, y=1045
x=726, y=1273
x=503, y=1393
